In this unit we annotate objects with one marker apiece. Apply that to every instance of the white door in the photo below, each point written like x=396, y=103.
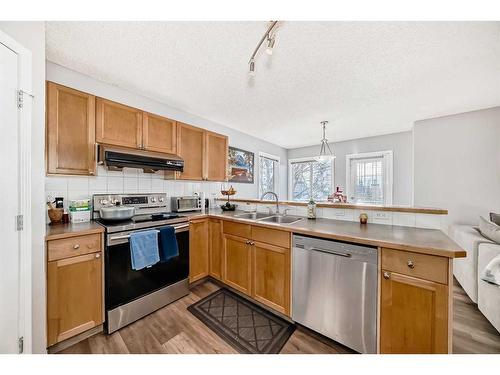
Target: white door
x=9, y=202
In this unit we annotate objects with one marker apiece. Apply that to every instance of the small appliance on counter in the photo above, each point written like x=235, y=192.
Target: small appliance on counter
x=186, y=203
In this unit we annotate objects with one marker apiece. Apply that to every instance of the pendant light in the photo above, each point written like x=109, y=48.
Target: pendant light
x=325, y=152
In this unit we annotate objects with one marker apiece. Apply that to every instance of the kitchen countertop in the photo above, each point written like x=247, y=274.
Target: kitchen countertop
x=419, y=240
x=54, y=232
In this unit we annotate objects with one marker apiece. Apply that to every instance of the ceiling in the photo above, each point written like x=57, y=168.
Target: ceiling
x=366, y=78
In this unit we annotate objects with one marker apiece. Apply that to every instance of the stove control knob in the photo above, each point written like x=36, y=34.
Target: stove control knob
x=162, y=199
x=153, y=199
x=103, y=202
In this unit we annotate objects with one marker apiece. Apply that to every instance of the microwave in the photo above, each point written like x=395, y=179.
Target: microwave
x=186, y=203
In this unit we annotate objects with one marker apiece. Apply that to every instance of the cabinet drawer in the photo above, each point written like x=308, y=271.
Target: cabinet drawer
x=271, y=236
x=236, y=229
x=427, y=267
x=73, y=246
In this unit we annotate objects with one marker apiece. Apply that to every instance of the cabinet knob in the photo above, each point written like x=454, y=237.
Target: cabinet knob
x=76, y=246
x=387, y=275
x=410, y=264
x=97, y=255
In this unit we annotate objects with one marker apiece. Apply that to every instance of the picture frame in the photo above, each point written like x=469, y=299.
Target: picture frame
x=241, y=166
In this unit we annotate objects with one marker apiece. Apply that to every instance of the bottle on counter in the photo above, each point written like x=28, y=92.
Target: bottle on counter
x=311, y=209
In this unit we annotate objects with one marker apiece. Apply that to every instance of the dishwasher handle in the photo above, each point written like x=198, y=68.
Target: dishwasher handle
x=346, y=255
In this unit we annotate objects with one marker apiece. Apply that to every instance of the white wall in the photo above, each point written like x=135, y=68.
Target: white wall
x=64, y=76
x=32, y=36
x=399, y=143
x=457, y=164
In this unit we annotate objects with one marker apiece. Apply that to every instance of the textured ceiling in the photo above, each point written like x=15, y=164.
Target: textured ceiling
x=367, y=78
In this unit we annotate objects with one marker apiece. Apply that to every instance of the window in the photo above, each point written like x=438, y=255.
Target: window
x=310, y=178
x=268, y=173
x=369, y=177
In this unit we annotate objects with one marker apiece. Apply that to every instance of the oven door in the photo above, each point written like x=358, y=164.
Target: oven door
x=123, y=284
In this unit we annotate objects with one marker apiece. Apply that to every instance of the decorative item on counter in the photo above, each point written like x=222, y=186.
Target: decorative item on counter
x=337, y=196
x=228, y=206
x=311, y=209
x=79, y=211
x=65, y=218
x=363, y=218
x=59, y=202
x=55, y=214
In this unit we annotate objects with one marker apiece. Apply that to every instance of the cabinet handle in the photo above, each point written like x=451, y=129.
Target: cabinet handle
x=410, y=264
x=387, y=275
x=252, y=243
x=76, y=246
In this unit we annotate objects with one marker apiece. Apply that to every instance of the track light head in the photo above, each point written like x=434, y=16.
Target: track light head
x=270, y=45
x=251, y=68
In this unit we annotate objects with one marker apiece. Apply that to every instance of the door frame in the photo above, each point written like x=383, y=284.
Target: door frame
x=25, y=118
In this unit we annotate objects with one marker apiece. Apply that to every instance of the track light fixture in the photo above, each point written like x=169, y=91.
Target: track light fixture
x=270, y=37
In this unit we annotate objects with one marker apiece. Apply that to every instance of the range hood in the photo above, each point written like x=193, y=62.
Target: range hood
x=119, y=157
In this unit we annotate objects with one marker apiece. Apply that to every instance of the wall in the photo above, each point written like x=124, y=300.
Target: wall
x=457, y=164
x=32, y=36
x=64, y=76
x=399, y=143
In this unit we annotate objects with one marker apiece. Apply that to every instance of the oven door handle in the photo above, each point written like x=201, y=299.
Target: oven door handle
x=127, y=236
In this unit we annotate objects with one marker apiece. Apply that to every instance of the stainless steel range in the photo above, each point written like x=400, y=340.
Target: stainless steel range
x=131, y=294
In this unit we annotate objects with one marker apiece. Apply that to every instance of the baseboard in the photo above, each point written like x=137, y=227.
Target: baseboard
x=60, y=346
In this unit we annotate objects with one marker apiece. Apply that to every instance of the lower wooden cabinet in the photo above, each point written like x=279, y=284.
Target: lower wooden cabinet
x=74, y=296
x=237, y=263
x=216, y=245
x=413, y=310
x=198, y=249
x=271, y=276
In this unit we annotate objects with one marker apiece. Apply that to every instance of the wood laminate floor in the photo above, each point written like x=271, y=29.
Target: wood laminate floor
x=173, y=329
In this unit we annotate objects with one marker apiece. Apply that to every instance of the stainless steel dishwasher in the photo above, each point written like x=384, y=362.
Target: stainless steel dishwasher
x=334, y=290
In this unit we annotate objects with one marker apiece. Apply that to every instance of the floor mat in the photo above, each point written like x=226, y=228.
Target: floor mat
x=242, y=324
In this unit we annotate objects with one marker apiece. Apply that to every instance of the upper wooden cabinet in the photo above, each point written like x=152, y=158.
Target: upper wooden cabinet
x=159, y=134
x=191, y=147
x=70, y=131
x=204, y=153
x=117, y=124
x=215, y=157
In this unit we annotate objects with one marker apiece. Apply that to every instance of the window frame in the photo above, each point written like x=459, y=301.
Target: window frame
x=387, y=157
x=276, y=172
x=301, y=160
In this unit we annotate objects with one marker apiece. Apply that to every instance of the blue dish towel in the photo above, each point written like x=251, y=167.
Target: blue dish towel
x=144, y=249
x=168, y=244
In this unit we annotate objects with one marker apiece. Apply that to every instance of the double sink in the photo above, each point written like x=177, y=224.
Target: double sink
x=279, y=219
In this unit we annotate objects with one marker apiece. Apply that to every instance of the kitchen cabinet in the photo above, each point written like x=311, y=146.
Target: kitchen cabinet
x=117, y=124
x=271, y=276
x=215, y=157
x=198, y=250
x=204, y=154
x=216, y=244
x=237, y=263
x=191, y=148
x=70, y=130
x=414, y=312
x=74, y=287
x=159, y=134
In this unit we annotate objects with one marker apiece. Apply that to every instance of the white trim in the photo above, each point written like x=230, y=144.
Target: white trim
x=389, y=172
x=301, y=160
x=277, y=159
x=25, y=118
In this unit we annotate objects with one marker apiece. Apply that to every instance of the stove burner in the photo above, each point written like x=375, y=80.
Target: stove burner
x=155, y=217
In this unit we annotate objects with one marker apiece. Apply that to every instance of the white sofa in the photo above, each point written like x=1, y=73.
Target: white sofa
x=480, y=251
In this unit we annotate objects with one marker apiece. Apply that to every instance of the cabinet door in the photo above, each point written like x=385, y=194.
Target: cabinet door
x=215, y=157
x=70, y=131
x=74, y=296
x=236, y=265
x=191, y=147
x=271, y=276
x=413, y=315
x=159, y=134
x=117, y=124
x=198, y=250
x=216, y=248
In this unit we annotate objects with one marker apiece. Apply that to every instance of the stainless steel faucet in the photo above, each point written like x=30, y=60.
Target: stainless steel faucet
x=275, y=196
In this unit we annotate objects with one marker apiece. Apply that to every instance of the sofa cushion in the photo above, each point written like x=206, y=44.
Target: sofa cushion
x=488, y=294
x=495, y=218
x=489, y=230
